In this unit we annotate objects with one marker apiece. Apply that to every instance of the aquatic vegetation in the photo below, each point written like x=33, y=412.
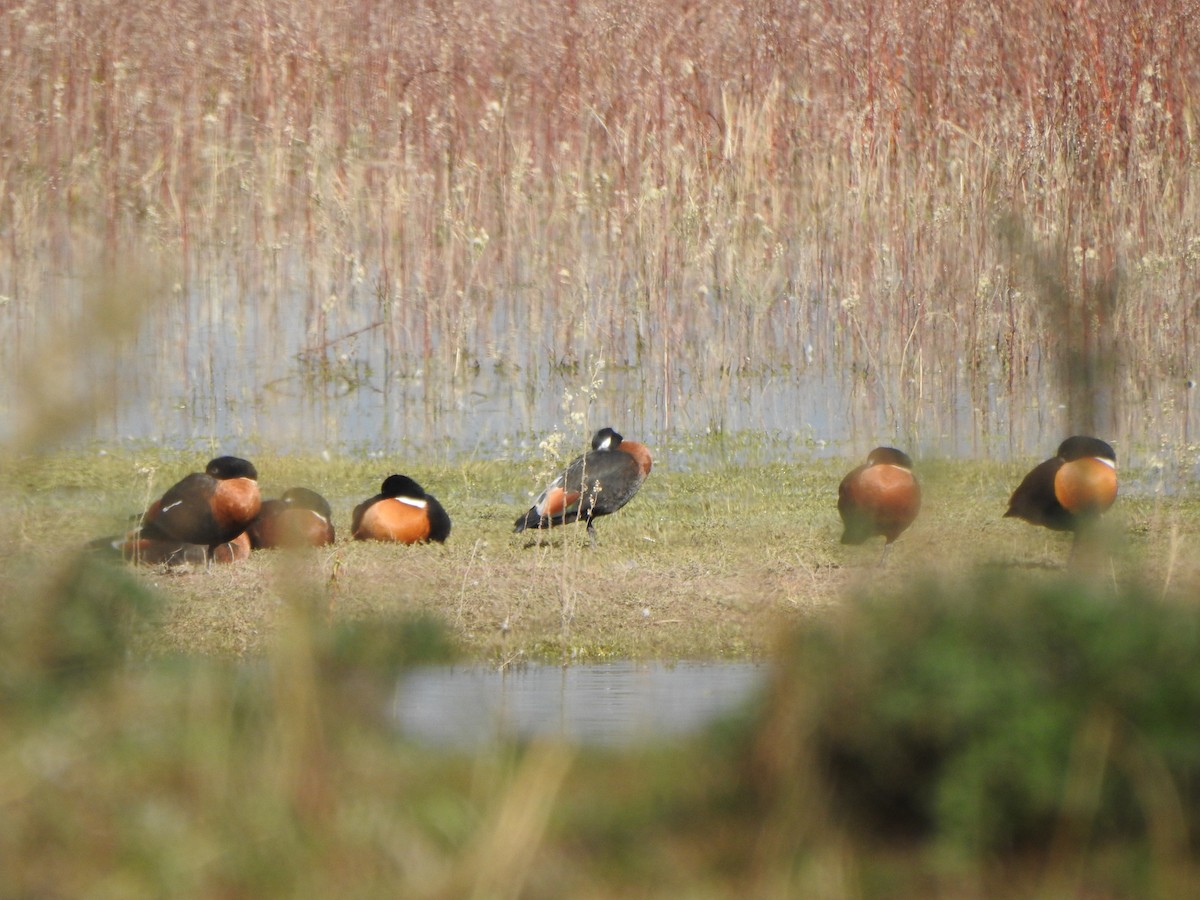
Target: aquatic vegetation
x=903, y=222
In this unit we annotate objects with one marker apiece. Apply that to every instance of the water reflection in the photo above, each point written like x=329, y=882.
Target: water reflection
x=610, y=704
x=221, y=367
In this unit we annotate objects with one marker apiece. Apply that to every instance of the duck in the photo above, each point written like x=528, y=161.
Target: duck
x=300, y=517
x=401, y=512
x=1071, y=490
x=209, y=509
x=596, y=483
x=879, y=498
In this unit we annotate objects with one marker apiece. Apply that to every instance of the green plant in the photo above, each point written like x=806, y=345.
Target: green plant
x=1000, y=713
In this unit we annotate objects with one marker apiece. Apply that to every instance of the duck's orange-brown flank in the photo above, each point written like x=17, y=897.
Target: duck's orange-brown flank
x=152, y=552
x=401, y=513
x=558, y=500
x=1086, y=487
x=233, y=551
x=879, y=498
x=392, y=519
x=235, y=502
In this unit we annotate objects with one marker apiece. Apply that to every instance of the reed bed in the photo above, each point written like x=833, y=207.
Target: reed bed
x=936, y=203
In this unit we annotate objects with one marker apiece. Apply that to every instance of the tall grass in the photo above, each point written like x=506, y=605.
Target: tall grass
x=992, y=733
x=703, y=193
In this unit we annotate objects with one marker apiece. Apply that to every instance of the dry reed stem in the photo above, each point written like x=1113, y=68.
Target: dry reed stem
x=519, y=185
x=507, y=845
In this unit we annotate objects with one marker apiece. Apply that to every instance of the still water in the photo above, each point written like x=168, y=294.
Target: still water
x=607, y=704
x=216, y=367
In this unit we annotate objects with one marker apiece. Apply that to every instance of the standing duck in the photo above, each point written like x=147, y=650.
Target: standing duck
x=880, y=497
x=595, y=484
x=1070, y=491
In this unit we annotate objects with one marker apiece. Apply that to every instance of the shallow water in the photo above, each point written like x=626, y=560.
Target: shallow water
x=206, y=373
x=605, y=704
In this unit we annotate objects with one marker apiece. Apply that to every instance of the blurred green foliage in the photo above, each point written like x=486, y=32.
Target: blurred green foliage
x=1000, y=711
x=70, y=632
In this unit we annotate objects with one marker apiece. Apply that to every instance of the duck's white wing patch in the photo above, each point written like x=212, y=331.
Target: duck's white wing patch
x=1107, y=462
x=411, y=501
x=540, y=503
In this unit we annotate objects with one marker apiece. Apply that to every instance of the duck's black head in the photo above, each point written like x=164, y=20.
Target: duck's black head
x=606, y=439
x=1081, y=446
x=224, y=467
x=402, y=486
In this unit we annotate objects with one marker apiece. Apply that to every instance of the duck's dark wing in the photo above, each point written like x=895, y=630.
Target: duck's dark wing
x=1034, y=499
x=185, y=511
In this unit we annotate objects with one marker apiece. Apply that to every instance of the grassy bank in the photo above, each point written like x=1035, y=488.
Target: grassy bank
x=1025, y=728
x=701, y=564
